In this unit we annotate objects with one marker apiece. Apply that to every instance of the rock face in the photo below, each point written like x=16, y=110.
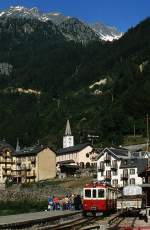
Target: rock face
x=106, y=33
x=72, y=28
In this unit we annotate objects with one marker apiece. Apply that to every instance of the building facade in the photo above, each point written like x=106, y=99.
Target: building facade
x=119, y=167
x=27, y=165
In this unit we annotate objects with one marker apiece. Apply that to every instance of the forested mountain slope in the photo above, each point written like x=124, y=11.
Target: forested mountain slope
x=102, y=87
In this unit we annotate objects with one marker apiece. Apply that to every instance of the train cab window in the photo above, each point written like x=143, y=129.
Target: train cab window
x=88, y=193
x=94, y=193
x=100, y=193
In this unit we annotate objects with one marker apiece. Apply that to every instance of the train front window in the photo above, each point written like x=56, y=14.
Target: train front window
x=88, y=193
x=100, y=193
x=94, y=193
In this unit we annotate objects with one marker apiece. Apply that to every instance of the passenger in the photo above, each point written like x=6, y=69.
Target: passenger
x=77, y=202
x=67, y=202
x=50, y=203
x=71, y=198
x=56, y=203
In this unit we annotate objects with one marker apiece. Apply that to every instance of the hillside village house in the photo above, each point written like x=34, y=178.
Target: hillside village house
x=29, y=164
x=120, y=168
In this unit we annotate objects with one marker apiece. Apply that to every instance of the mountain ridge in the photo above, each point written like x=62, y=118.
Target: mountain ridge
x=100, y=31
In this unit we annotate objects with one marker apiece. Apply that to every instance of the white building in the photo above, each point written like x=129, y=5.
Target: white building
x=120, y=167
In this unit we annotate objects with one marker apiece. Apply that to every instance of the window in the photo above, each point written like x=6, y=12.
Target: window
x=108, y=163
x=87, y=155
x=88, y=193
x=115, y=182
x=100, y=193
x=115, y=173
x=132, y=181
x=132, y=171
x=94, y=193
x=102, y=173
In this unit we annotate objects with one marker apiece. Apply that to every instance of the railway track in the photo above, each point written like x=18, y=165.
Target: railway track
x=71, y=225
x=111, y=222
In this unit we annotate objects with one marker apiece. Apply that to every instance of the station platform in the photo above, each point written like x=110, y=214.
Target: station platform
x=34, y=218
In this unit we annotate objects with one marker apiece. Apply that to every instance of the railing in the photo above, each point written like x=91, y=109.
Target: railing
x=101, y=168
x=114, y=166
x=6, y=167
x=18, y=162
x=107, y=158
x=5, y=161
x=33, y=160
x=124, y=176
x=6, y=174
x=31, y=175
x=107, y=177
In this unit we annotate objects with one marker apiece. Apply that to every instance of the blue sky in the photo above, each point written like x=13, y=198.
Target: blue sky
x=120, y=13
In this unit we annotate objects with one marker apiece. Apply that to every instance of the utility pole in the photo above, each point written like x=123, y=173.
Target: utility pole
x=147, y=129
x=134, y=129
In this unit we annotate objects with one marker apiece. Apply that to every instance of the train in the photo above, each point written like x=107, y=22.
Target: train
x=99, y=197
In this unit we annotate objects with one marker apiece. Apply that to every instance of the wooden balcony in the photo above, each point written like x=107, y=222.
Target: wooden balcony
x=18, y=162
x=114, y=166
x=6, y=167
x=124, y=176
x=33, y=160
x=107, y=177
x=6, y=174
x=5, y=161
x=101, y=167
x=31, y=175
x=107, y=158
x=17, y=174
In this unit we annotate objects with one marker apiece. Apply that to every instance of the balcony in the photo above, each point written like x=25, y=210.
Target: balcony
x=18, y=174
x=107, y=177
x=124, y=176
x=6, y=174
x=18, y=162
x=31, y=175
x=107, y=158
x=5, y=161
x=33, y=160
x=114, y=166
x=26, y=168
x=101, y=167
x=6, y=167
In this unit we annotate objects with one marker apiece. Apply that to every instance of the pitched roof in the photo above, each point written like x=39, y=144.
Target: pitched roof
x=139, y=163
x=115, y=152
x=4, y=145
x=75, y=148
x=30, y=151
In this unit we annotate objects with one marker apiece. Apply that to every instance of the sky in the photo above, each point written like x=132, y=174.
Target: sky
x=122, y=14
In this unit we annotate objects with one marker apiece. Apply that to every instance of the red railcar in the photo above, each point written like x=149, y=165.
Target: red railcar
x=99, y=197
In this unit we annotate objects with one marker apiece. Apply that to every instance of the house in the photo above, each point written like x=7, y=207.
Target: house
x=120, y=167
x=27, y=165
x=34, y=164
x=80, y=154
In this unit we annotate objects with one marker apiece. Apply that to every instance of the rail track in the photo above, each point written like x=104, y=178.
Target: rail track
x=75, y=222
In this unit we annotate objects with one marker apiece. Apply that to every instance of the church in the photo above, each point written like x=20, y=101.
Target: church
x=73, y=157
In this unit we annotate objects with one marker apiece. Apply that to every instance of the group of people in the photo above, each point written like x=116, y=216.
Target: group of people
x=71, y=202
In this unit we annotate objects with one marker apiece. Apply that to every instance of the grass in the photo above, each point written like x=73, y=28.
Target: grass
x=134, y=140
x=17, y=207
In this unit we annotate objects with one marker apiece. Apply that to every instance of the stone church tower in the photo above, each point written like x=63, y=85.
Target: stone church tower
x=68, y=139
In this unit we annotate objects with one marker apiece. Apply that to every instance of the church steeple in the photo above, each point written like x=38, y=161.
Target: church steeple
x=68, y=139
x=17, y=145
x=68, y=129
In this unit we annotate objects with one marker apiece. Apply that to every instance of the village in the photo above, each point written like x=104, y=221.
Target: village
x=117, y=165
